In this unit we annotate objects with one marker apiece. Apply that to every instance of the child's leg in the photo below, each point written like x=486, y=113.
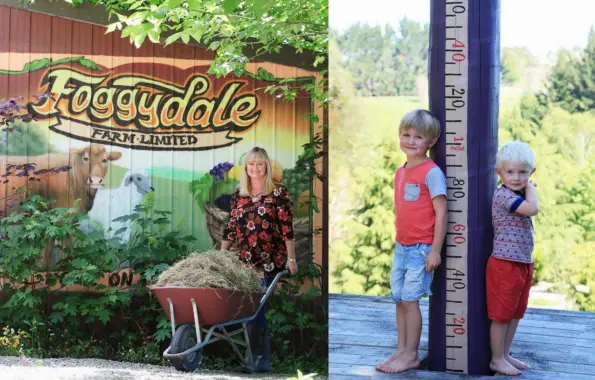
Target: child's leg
x=408, y=358
x=417, y=284
x=503, y=295
x=512, y=326
x=401, y=314
x=397, y=278
x=497, y=342
x=527, y=274
x=401, y=328
x=413, y=330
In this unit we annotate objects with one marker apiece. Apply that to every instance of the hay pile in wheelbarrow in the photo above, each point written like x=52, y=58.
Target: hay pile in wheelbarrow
x=221, y=286
x=212, y=269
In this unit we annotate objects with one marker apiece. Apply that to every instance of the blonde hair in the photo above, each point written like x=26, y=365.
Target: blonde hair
x=260, y=154
x=515, y=152
x=422, y=121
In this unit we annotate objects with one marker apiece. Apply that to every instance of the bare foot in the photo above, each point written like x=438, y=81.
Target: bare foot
x=504, y=367
x=390, y=359
x=516, y=363
x=402, y=364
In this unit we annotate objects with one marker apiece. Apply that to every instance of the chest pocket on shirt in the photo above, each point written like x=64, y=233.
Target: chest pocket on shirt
x=412, y=191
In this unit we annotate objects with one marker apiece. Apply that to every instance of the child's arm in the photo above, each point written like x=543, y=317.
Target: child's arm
x=530, y=205
x=440, y=208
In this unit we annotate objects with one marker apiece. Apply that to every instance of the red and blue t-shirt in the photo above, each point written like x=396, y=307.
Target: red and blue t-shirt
x=414, y=190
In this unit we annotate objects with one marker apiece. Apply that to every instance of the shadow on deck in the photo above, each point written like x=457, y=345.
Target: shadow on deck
x=557, y=344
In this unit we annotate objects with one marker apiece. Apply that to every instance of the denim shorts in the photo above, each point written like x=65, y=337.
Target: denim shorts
x=409, y=280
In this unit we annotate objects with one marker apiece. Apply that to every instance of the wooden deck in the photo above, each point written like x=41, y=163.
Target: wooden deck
x=559, y=345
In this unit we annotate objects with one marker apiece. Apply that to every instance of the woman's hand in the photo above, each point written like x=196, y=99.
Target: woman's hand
x=291, y=266
x=225, y=245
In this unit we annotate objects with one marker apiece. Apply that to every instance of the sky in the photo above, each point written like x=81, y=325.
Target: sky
x=540, y=25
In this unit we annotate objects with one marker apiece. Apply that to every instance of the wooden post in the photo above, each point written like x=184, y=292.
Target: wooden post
x=464, y=72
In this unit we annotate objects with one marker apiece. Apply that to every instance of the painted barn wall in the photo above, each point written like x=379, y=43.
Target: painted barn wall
x=28, y=37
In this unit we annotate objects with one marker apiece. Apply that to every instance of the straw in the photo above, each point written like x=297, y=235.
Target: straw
x=212, y=269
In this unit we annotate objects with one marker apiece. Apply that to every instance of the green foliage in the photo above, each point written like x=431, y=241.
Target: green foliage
x=228, y=27
x=572, y=83
x=296, y=182
x=364, y=256
x=152, y=246
x=533, y=108
x=579, y=270
x=11, y=341
x=34, y=300
x=289, y=315
x=515, y=63
x=385, y=62
x=299, y=178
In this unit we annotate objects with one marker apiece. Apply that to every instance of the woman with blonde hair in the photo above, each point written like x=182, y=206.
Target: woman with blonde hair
x=261, y=223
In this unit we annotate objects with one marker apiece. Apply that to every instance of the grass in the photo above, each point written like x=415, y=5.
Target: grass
x=543, y=302
x=380, y=115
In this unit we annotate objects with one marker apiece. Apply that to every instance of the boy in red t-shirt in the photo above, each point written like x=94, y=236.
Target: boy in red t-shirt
x=509, y=272
x=421, y=219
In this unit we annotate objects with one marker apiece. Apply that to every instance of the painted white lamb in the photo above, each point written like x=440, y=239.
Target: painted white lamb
x=110, y=204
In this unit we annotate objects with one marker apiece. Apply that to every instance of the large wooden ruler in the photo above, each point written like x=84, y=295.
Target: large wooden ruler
x=455, y=95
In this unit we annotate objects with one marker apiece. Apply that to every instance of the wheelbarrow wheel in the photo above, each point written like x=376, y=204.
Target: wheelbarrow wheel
x=184, y=339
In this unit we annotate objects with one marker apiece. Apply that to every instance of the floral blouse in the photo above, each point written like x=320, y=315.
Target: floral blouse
x=261, y=228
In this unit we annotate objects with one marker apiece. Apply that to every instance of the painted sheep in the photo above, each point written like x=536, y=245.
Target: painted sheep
x=110, y=204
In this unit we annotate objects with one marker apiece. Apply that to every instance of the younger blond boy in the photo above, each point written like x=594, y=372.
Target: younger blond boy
x=421, y=219
x=509, y=272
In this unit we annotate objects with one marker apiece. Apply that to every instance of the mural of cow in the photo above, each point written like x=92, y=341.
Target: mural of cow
x=88, y=169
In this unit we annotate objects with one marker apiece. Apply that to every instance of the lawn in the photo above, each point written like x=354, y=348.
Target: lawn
x=381, y=115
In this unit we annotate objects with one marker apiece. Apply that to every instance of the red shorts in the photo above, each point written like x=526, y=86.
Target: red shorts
x=507, y=289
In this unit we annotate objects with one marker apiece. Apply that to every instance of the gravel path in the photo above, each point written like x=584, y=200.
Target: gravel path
x=20, y=368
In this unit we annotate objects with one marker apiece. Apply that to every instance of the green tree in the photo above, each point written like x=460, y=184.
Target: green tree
x=579, y=270
x=572, y=84
x=364, y=257
x=362, y=46
x=385, y=62
x=350, y=151
x=412, y=42
x=515, y=63
x=237, y=30
x=533, y=108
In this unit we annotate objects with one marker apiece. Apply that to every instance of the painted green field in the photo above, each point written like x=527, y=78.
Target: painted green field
x=172, y=194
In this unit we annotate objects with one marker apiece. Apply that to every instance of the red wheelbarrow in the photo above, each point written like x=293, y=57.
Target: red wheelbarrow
x=210, y=310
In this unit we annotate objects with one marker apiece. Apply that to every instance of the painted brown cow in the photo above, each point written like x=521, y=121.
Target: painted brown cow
x=88, y=169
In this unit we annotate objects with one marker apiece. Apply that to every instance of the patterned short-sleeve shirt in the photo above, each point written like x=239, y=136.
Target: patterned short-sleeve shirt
x=261, y=228
x=513, y=232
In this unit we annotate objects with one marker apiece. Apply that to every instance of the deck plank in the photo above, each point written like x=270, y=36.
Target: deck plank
x=558, y=344
x=538, y=334
x=358, y=372
x=358, y=312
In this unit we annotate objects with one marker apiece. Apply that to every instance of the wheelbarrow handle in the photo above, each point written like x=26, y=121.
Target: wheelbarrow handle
x=270, y=289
